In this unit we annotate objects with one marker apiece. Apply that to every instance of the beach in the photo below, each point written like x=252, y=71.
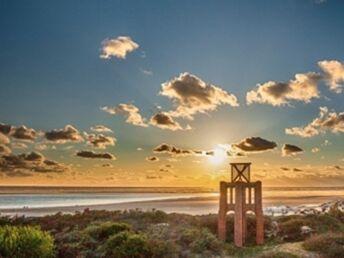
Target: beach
x=189, y=203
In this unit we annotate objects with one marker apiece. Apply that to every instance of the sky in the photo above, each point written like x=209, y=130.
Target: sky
x=168, y=93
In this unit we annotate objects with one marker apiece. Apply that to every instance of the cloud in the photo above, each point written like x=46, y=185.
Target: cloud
x=18, y=145
x=68, y=133
x=152, y=159
x=146, y=72
x=290, y=150
x=95, y=155
x=4, y=139
x=303, y=88
x=118, y=47
x=4, y=149
x=129, y=110
x=100, y=141
x=326, y=120
x=255, y=144
x=172, y=150
x=107, y=165
x=334, y=74
x=191, y=95
x=101, y=129
x=315, y=149
x=24, y=133
x=5, y=129
x=165, y=121
x=30, y=162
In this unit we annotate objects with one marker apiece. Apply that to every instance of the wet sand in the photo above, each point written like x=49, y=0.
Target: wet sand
x=193, y=206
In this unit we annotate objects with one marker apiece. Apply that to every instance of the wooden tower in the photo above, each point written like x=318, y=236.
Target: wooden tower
x=241, y=195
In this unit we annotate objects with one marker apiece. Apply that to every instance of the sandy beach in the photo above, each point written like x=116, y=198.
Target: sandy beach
x=194, y=206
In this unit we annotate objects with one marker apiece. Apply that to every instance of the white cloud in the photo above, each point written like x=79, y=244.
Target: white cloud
x=118, y=47
x=4, y=139
x=334, y=74
x=303, y=88
x=326, y=120
x=101, y=129
x=129, y=110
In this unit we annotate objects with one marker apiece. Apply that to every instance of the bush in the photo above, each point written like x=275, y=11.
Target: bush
x=25, y=242
x=277, y=255
x=200, y=240
x=103, y=231
x=126, y=244
x=291, y=230
x=330, y=244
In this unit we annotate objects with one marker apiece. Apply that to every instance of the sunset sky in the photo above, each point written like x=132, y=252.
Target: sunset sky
x=167, y=93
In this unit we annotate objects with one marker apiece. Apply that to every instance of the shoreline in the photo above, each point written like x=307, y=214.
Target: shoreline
x=192, y=206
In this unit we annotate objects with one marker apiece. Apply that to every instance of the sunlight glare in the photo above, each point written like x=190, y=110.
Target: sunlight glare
x=220, y=155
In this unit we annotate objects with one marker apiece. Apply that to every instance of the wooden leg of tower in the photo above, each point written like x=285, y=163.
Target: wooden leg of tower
x=222, y=222
x=244, y=227
x=238, y=216
x=259, y=214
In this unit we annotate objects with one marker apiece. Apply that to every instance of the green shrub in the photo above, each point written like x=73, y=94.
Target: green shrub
x=25, y=242
x=290, y=230
x=162, y=248
x=104, y=230
x=277, y=255
x=330, y=245
x=127, y=245
x=200, y=240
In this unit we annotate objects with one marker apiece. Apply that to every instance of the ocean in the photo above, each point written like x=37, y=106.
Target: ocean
x=44, y=197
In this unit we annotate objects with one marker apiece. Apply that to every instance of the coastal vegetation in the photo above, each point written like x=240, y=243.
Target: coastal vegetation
x=141, y=234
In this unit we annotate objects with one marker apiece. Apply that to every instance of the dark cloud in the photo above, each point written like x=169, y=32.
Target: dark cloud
x=95, y=155
x=5, y=129
x=153, y=177
x=285, y=169
x=297, y=170
x=68, y=133
x=290, y=150
x=24, y=133
x=107, y=165
x=30, y=162
x=165, y=121
x=152, y=159
x=100, y=141
x=326, y=120
x=191, y=95
x=255, y=144
x=172, y=150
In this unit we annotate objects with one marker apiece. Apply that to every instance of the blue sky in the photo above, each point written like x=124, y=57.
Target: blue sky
x=51, y=73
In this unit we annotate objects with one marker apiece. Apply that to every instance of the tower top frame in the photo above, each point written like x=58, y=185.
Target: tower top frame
x=241, y=172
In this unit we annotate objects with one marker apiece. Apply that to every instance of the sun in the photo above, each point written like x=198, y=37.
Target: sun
x=220, y=154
